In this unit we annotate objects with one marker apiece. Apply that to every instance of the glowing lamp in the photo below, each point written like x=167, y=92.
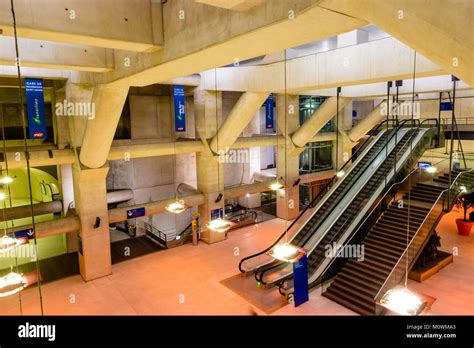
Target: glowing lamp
x=403, y=301
x=463, y=189
x=431, y=169
x=11, y=284
x=6, y=180
x=218, y=225
x=8, y=243
x=2, y=196
x=276, y=186
x=286, y=252
x=176, y=207
x=340, y=174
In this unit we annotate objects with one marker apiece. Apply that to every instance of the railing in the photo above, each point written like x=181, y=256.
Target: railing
x=164, y=238
x=378, y=206
x=414, y=244
x=319, y=196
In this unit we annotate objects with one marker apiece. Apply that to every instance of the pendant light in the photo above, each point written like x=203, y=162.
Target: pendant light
x=11, y=284
x=220, y=224
x=178, y=205
x=400, y=299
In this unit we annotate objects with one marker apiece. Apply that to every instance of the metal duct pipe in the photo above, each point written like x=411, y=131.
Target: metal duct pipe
x=24, y=211
x=119, y=196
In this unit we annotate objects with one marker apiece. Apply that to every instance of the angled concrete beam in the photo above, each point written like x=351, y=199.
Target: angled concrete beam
x=321, y=116
x=240, y=116
x=131, y=25
x=49, y=55
x=152, y=150
x=443, y=28
x=292, y=23
x=370, y=121
x=234, y=5
x=100, y=130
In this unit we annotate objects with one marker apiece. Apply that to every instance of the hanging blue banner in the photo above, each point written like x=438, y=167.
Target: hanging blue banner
x=445, y=106
x=35, y=108
x=269, y=112
x=179, y=109
x=300, y=274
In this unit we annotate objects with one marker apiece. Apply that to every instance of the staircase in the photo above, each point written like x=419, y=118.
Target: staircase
x=358, y=282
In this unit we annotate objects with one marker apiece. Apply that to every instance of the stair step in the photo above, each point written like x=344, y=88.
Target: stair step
x=363, y=308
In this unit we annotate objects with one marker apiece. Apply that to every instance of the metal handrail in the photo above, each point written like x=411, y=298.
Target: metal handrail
x=418, y=230
x=401, y=150
x=381, y=200
x=319, y=195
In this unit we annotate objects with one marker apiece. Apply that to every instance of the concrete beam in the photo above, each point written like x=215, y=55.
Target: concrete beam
x=376, y=61
x=277, y=25
x=443, y=28
x=379, y=90
x=321, y=117
x=240, y=116
x=234, y=5
x=39, y=158
x=100, y=130
x=44, y=54
x=152, y=150
x=132, y=25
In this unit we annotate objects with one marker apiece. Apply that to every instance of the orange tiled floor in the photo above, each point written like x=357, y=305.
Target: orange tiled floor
x=185, y=280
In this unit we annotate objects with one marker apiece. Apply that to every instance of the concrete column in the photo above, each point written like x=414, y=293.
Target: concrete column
x=91, y=203
x=352, y=38
x=240, y=116
x=209, y=170
x=287, y=163
x=62, y=122
x=108, y=102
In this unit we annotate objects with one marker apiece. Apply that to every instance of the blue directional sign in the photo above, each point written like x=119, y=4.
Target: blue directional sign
x=134, y=213
x=27, y=233
x=445, y=106
x=300, y=273
x=35, y=108
x=424, y=164
x=179, y=109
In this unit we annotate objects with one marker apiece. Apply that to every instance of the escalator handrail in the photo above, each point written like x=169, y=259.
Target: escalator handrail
x=367, y=217
x=356, y=211
x=418, y=230
x=321, y=193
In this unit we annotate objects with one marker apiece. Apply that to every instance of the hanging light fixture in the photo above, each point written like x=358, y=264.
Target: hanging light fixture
x=431, y=169
x=276, y=186
x=340, y=174
x=286, y=252
x=176, y=207
x=400, y=299
x=8, y=243
x=403, y=301
x=11, y=284
x=6, y=180
x=218, y=225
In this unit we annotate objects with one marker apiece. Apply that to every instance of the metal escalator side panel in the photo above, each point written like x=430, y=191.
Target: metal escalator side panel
x=339, y=183
x=361, y=214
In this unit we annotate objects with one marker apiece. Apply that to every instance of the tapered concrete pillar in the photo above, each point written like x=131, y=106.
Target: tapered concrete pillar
x=318, y=120
x=287, y=163
x=90, y=196
x=76, y=95
x=210, y=172
x=108, y=102
x=246, y=108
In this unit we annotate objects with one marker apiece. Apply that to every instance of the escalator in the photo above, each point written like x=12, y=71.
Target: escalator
x=390, y=154
x=355, y=210
x=336, y=193
x=393, y=244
